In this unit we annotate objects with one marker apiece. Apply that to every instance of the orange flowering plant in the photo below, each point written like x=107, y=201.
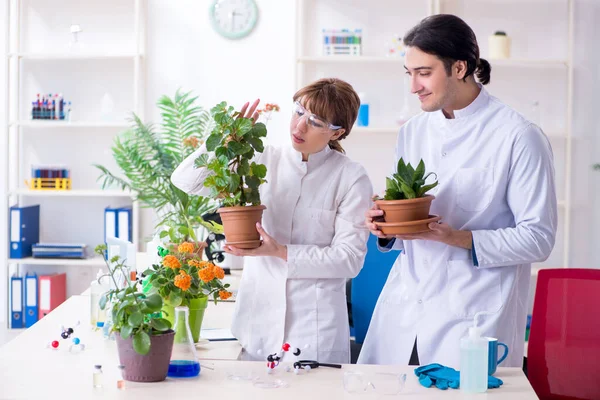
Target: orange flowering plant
x=182, y=275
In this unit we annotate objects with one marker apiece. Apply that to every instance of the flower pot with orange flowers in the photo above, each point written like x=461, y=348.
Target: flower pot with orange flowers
x=235, y=179
x=406, y=205
x=183, y=278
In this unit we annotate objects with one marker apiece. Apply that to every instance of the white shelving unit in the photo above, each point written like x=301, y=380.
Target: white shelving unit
x=90, y=133
x=374, y=71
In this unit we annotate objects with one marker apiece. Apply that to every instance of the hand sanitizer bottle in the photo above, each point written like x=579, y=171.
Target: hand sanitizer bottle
x=473, y=362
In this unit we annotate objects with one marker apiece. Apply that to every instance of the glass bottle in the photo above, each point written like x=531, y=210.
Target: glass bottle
x=98, y=376
x=184, y=360
x=120, y=380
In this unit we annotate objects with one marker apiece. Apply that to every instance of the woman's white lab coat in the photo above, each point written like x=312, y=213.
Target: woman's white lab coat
x=317, y=209
x=496, y=179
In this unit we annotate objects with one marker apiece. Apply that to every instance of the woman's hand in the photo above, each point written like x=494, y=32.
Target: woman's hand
x=269, y=247
x=251, y=113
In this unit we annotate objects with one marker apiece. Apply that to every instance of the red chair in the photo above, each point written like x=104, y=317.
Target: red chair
x=563, y=360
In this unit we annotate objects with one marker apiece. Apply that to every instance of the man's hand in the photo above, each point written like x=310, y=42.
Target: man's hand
x=443, y=233
x=269, y=247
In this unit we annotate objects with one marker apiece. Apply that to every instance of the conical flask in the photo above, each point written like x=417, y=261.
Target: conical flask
x=184, y=360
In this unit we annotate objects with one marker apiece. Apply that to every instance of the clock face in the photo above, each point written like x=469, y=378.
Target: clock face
x=234, y=19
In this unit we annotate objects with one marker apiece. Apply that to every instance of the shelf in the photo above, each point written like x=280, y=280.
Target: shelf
x=66, y=124
x=71, y=193
x=74, y=56
x=398, y=60
x=539, y=63
x=87, y=262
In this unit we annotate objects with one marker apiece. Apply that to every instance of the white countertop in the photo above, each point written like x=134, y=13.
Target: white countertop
x=30, y=370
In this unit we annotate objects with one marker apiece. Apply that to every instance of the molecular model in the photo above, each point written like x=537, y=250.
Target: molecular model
x=274, y=359
x=66, y=334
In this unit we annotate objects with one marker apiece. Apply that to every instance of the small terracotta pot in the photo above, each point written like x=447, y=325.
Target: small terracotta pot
x=152, y=367
x=239, y=225
x=395, y=211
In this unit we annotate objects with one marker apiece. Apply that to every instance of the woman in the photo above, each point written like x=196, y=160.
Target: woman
x=293, y=286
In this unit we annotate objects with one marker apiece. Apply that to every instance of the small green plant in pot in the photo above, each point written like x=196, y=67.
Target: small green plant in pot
x=406, y=204
x=235, y=179
x=144, y=341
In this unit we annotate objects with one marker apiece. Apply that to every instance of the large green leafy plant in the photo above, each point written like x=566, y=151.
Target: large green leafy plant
x=408, y=182
x=133, y=313
x=148, y=157
x=234, y=142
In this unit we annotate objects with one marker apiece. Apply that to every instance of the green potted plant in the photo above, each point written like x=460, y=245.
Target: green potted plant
x=144, y=341
x=147, y=159
x=184, y=279
x=235, y=179
x=405, y=204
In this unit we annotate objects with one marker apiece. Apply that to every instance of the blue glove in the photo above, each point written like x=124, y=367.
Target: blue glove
x=445, y=377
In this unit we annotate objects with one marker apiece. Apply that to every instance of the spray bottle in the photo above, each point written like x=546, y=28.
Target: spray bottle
x=474, y=360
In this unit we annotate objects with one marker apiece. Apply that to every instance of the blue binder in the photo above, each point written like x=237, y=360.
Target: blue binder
x=124, y=224
x=31, y=300
x=16, y=302
x=24, y=230
x=111, y=222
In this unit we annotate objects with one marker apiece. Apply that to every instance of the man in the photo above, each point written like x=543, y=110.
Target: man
x=497, y=199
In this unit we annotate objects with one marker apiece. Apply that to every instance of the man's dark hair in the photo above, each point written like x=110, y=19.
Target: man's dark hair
x=450, y=39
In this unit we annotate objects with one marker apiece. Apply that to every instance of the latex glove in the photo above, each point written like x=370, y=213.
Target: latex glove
x=445, y=377
x=438, y=375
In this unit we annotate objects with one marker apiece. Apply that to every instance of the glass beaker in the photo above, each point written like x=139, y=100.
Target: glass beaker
x=184, y=360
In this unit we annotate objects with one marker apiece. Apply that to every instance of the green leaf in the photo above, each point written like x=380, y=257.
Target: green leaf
x=141, y=343
x=238, y=148
x=154, y=302
x=148, y=272
x=253, y=182
x=244, y=167
x=234, y=182
x=183, y=230
x=160, y=324
x=259, y=130
x=222, y=152
x=213, y=141
x=174, y=299
x=408, y=191
x=426, y=188
x=164, y=234
x=256, y=143
x=135, y=319
x=259, y=170
x=126, y=331
x=419, y=172
x=242, y=126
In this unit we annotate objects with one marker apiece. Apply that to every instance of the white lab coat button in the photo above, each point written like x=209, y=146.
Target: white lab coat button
x=420, y=301
x=444, y=154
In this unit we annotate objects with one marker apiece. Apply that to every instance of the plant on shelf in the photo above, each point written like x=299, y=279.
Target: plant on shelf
x=405, y=204
x=235, y=179
x=147, y=159
x=183, y=278
x=140, y=333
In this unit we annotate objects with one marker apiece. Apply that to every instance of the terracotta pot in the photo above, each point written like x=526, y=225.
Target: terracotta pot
x=395, y=211
x=152, y=367
x=239, y=225
x=196, y=315
x=404, y=228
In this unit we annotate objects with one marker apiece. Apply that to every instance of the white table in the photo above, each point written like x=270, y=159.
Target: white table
x=29, y=370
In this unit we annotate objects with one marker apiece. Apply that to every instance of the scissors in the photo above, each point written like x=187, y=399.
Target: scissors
x=314, y=364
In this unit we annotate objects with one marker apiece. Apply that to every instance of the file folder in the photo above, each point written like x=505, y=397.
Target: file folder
x=124, y=224
x=52, y=292
x=31, y=300
x=111, y=228
x=16, y=302
x=24, y=230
